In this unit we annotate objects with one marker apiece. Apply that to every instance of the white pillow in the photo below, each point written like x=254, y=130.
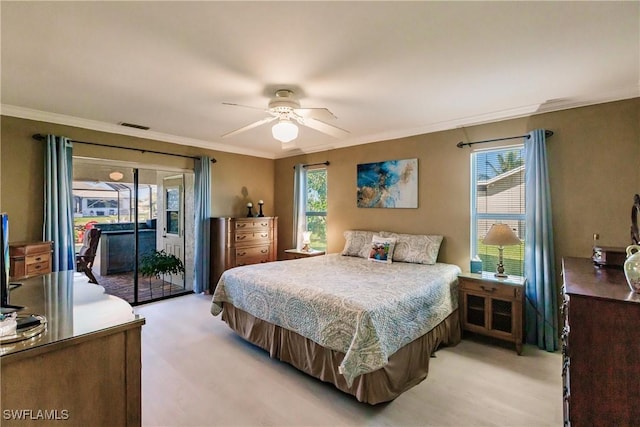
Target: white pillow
x=381, y=249
x=358, y=243
x=415, y=248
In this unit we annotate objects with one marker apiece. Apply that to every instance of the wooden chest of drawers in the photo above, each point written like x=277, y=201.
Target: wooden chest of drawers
x=28, y=259
x=241, y=241
x=600, y=346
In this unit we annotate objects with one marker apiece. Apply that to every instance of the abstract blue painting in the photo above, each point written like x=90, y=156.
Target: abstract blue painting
x=389, y=184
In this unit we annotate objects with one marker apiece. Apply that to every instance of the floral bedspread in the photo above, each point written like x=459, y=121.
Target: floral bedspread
x=367, y=310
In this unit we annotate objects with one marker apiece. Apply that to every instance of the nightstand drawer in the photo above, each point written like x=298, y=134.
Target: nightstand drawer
x=37, y=268
x=36, y=259
x=496, y=289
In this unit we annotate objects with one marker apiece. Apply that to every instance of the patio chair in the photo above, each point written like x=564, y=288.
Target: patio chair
x=87, y=253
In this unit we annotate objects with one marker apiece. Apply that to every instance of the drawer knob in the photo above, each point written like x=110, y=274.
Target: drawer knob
x=242, y=237
x=242, y=253
x=264, y=235
x=487, y=289
x=38, y=259
x=264, y=251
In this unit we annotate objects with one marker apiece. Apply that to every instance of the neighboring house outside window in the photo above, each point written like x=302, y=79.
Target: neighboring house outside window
x=316, y=207
x=498, y=195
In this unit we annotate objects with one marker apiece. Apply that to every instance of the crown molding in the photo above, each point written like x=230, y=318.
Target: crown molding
x=496, y=116
x=61, y=119
x=512, y=113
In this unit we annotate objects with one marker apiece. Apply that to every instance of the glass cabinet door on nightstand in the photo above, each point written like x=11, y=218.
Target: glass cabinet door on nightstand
x=502, y=315
x=476, y=311
x=489, y=313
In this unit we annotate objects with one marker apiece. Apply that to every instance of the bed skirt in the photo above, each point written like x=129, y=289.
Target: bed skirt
x=406, y=368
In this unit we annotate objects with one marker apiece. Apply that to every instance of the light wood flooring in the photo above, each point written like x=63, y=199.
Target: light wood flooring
x=197, y=372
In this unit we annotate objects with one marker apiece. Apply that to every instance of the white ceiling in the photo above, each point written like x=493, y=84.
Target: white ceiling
x=385, y=69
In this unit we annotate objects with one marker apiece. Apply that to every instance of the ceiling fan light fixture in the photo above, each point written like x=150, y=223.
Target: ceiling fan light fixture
x=285, y=131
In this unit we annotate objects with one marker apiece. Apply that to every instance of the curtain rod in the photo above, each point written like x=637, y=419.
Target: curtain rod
x=547, y=134
x=315, y=164
x=39, y=137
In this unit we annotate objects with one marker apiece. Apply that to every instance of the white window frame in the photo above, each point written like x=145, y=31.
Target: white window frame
x=306, y=192
x=475, y=216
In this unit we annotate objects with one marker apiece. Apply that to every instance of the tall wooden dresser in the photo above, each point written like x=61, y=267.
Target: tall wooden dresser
x=600, y=346
x=241, y=241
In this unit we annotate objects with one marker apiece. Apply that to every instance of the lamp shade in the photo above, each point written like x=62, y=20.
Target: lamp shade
x=285, y=131
x=306, y=237
x=501, y=235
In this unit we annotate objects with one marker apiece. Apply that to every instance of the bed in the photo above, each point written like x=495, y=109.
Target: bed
x=367, y=327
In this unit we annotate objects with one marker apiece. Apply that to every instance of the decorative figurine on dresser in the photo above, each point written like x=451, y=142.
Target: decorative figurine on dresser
x=241, y=241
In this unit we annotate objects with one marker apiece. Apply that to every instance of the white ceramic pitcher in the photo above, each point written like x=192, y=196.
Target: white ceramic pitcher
x=632, y=267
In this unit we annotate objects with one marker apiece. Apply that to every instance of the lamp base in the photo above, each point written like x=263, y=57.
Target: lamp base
x=306, y=248
x=501, y=275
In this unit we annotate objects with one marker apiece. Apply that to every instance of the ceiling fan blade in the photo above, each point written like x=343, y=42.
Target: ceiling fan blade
x=250, y=126
x=315, y=113
x=243, y=106
x=323, y=127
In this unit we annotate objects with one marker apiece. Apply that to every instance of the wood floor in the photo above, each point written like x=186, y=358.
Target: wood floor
x=197, y=372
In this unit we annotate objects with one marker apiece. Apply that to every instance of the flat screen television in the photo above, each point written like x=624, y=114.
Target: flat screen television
x=5, y=307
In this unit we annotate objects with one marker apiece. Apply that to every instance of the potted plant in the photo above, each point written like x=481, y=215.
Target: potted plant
x=158, y=263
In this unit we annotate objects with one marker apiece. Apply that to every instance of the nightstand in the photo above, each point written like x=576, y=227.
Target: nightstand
x=492, y=306
x=296, y=254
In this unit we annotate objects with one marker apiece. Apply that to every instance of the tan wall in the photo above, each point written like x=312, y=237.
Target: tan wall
x=235, y=178
x=593, y=161
x=594, y=167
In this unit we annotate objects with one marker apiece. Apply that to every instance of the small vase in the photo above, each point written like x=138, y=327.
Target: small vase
x=632, y=267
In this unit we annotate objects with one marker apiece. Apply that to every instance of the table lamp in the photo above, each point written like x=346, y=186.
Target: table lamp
x=306, y=240
x=501, y=235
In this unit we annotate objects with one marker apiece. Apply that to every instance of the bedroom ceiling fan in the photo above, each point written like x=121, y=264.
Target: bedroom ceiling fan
x=285, y=108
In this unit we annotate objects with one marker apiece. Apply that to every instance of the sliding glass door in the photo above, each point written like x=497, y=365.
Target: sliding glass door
x=144, y=218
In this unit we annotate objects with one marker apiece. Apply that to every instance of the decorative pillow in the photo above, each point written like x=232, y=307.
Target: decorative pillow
x=415, y=248
x=381, y=249
x=358, y=243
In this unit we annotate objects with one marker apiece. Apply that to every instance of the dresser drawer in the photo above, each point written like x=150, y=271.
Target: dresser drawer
x=252, y=256
x=252, y=224
x=256, y=251
x=253, y=238
x=494, y=290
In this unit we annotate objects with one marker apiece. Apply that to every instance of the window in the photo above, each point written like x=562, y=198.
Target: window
x=497, y=195
x=316, y=207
